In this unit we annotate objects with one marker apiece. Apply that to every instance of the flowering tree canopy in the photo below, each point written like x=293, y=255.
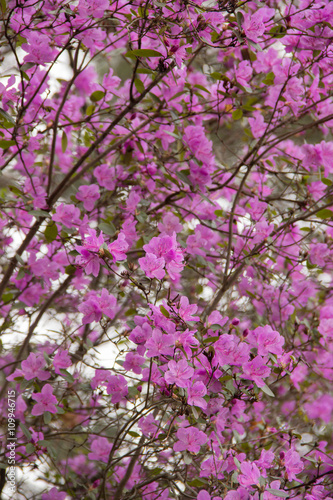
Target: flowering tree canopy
x=166, y=257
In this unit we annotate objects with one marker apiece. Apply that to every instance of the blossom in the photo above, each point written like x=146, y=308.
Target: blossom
x=256, y=370
x=134, y=362
x=107, y=304
x=170, y=224
x=186, y=310
x=46, y=401
x=148, y=425
x=38, y=48
x=253, y=26
x=91, y=310
x=190, y=439
x=61, y=361
x=153, y=266
x=250, y=474
x=68, y=215
x=54, y=494
x=195, y=395
x=118, y=247
x=293, y=464
x=179, y=373
x=117, y=386
x=88, y=195
x=33, y=367
x=198, y=143
x=100, y=448
x=230, y=351
x=267, y=340
x=159, y=343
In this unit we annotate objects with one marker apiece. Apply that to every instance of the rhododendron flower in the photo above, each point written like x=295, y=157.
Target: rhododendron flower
x=118, y=248
x=190, y=439
x=195, y=395
x=186, y=310
x=293, y=464
x=153, y=266
x=108, y=304
x=100, y=448
x=88, y=195
x=68, y=215
x=256, y=370
x=198, y=143
x=117, y=386
x=101, y=377
x=204, y=495
x=91, y=310
x=54, y=494
x=159, y=343
x=134, y=362
x=33, y=367
x=253, y=26
x=46, y=401
x=179, y=373
x=250, y=474
x=148, y=425
x=230, y=351
x=61, y=361
x=267, y=340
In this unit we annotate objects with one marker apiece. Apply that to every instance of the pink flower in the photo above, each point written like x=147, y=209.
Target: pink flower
x=190, y=439
x=179, y=373
x=100, y=378
x=61, y=361
x=159, y=343
x=54, y=494
x=195, y=395
x=105, y=176
x=256, y=370
x=267, y=340
x=38, y=48
x=152, y=266
x=68, y=215
x=170, y=224
x=243, y=73
x=46, y=401
x=148, y=425
x=89, y=258
x=91, y=310
x=253, y=26
x=293, y=464
x=100, y=448
x=33, y=367
x=117, y=386
x=198, y=143
x=88, y=195
x=230, y=351
x=108, y=304
x=204, y=495
x=118, y=247
x=134, y=362
x=141, y=334
x=250, y=474
x=186, y=310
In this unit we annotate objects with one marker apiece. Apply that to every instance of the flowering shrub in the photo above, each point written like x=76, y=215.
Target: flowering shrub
x=166, y=235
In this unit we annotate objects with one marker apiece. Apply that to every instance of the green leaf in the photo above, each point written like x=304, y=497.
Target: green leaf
x=25, y=431
x=139, y=85
x=6, y=144
x=107, y=228
x=64, y=141
x=326, y=181
x=197, y=483
x=47, y=417
x=70, y=269
x=210, y=339
x=29, y=449
x=324, y=214
x=278, y=493
x=237, y=114
x=39, y=213
x=133, y=434
x=7, y=116
x=267, y=391
x=143, y=53
x=97, y=95
x=164, y=312
x=51, y=232
x=67, y=376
